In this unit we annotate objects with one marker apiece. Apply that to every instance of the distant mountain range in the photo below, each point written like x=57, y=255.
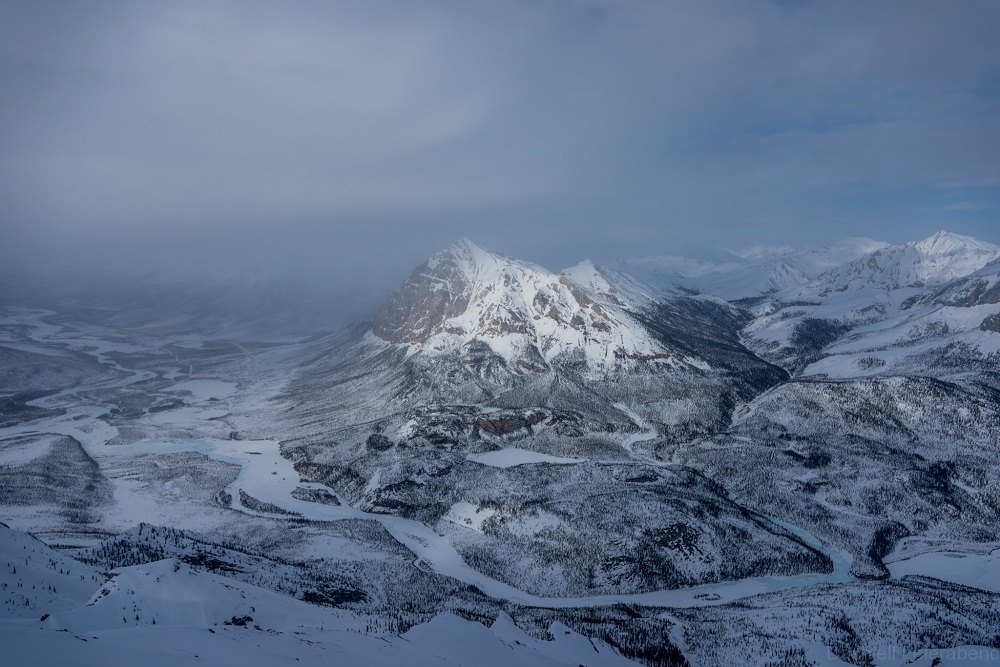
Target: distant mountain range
x=801, y=303
x=748, y=273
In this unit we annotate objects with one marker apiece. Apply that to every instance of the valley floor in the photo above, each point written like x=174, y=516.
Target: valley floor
x=170, y=429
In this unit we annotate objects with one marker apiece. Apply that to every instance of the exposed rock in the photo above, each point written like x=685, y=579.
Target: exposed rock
x=991, y=323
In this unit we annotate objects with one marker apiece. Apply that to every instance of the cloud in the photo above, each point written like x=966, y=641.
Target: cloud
x=970, y=206
x=550, y=130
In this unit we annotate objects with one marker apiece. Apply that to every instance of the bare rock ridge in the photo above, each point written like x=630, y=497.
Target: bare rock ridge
x=437, y=291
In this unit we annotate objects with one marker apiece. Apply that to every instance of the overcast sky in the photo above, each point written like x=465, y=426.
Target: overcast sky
x=361, y=136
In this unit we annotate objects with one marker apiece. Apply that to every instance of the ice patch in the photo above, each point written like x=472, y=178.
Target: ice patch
x=186, y=417
x=514, y=456
x=978, y=570
x=205, y=390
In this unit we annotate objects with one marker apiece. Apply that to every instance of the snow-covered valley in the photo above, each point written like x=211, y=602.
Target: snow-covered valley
x=541, y=468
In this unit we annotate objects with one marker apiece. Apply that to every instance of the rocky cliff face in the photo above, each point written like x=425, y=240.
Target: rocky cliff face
x=437, y=291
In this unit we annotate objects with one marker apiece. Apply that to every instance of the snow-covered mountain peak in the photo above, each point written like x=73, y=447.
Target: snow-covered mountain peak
x=588, y=275
x=948, y=243
x=933, y=261
x=527, y=315
x=468, y=257
x=612, y=286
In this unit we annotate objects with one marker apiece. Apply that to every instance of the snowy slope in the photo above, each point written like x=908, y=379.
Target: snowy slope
x=611, y=286
x=932, y=261
x=35, y=580
x=168, y=613
x=979, y=288
x=895, y=310
x=526, y=315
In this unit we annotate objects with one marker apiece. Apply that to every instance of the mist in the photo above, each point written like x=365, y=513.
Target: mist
x=334, y=147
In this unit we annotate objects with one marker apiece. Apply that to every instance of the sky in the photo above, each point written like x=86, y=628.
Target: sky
x=347, y=141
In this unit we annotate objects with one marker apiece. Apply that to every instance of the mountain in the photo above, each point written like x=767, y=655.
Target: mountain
x=946, y=330
x=895, y=310
x=932, y=261
x=889, y=423
x=472, y=328
x=503, y=405
x=979, y=288
x=748, y=273
x=515, y=465
x=465, y=298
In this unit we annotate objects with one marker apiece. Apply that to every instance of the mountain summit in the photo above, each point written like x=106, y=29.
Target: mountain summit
x=464, y=295
x=933, y=261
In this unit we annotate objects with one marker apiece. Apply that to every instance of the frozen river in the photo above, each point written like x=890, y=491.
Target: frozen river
x=270, y=478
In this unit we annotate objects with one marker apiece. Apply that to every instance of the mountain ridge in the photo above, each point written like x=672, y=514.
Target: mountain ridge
x=917, y=264
x=527, y=315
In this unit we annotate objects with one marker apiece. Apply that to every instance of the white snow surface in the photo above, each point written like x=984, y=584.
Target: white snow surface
x=166, y=613
x=611, y=285
x=514, y=456
x=35, y=580
x=468, y=515
x=970, y=564
x=975, y=570
x=205, y=389
x=525, y=312
x=932, y=261
x=895, y=303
